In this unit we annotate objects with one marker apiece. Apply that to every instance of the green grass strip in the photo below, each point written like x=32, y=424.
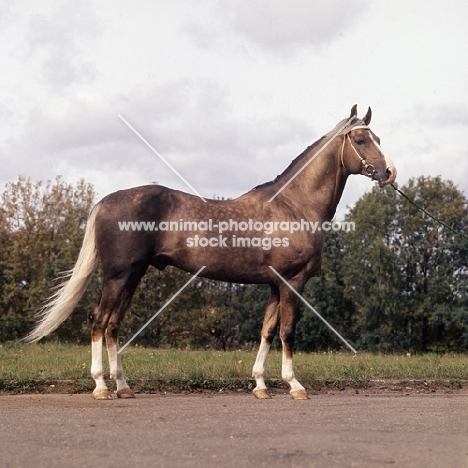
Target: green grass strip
x=27, y=368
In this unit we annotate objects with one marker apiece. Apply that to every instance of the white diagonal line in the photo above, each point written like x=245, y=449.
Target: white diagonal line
x=161, y=309
x=311, y=159
x=160, y=156
x=313, y=310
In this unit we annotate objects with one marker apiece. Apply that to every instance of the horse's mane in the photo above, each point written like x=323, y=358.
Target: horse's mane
x=292, y=168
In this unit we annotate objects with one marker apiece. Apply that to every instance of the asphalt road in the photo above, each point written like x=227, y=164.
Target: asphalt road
x=234, y=431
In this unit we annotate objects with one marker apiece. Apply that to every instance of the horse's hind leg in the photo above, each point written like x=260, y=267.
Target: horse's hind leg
x=106, y=320
x=101, y=391
x=115, y=365
x=270, y=323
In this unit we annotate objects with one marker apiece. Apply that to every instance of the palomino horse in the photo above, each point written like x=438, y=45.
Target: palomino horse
x=307, y=191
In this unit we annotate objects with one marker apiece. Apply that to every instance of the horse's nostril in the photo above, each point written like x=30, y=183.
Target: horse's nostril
x=391, y=173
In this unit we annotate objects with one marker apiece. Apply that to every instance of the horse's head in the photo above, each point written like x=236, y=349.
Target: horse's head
x=361, y=152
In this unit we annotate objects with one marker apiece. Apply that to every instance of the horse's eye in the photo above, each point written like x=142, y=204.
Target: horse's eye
x=360, y=140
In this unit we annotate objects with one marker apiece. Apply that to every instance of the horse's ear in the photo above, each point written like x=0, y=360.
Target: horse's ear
x=353, y=111
x=368, y=117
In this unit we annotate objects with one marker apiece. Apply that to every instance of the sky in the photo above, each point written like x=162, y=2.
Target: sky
x=228, y=92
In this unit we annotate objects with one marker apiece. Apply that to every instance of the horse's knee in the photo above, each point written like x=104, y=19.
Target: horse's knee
x=269, y=327
x=287, y=334
x=269, y=332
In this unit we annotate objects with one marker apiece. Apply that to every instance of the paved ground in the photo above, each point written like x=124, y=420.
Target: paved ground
x=234, y=430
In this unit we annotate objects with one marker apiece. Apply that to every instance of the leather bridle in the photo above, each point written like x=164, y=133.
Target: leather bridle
x=370, y=169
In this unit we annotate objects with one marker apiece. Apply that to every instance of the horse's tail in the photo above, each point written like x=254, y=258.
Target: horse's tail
x=61, y=304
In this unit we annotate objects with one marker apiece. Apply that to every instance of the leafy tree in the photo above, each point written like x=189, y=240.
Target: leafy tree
x=42, y=230
x=238, y=310
x=403, y=270
x=433, y=258
x=370, y=270
x=327, y=294
x=206, y=314
x=179, y=324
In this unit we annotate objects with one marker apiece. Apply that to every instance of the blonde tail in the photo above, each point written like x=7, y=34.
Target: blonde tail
x=59, y=306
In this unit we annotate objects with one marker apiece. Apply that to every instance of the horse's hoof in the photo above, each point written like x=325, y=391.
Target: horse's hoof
x=102, y=394
x=125, y=393
x=261, y=394
x=299, y=395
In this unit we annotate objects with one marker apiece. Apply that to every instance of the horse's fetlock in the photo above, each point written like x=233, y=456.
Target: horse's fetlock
x=288, y=375
x=258, y=373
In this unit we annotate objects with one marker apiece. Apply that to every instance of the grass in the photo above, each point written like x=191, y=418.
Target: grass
x=28, y=368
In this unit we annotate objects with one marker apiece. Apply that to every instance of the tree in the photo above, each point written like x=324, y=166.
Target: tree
x=404, y=271
x=434, y=258
x=206, y=314
x=327, y=294
x=42, y=230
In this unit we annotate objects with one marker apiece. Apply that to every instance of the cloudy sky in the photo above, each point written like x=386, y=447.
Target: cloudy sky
x=227, y=91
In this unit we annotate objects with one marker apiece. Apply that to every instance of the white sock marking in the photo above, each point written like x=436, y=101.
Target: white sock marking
x=96, y=364
x=258, y=370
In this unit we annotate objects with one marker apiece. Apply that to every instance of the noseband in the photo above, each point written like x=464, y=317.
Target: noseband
x=370, y=169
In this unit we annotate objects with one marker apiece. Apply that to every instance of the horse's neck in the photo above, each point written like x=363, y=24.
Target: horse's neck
x=319, y=187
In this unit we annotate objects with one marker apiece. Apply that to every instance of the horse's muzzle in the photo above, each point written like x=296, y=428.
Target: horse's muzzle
x=391, y=174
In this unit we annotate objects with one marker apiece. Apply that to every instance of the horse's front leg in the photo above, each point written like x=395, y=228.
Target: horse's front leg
x=258, y=372
x=270, y=323
x=289, y=305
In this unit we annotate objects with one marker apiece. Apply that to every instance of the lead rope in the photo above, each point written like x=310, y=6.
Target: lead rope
x=429, y=214
x=363, y=161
